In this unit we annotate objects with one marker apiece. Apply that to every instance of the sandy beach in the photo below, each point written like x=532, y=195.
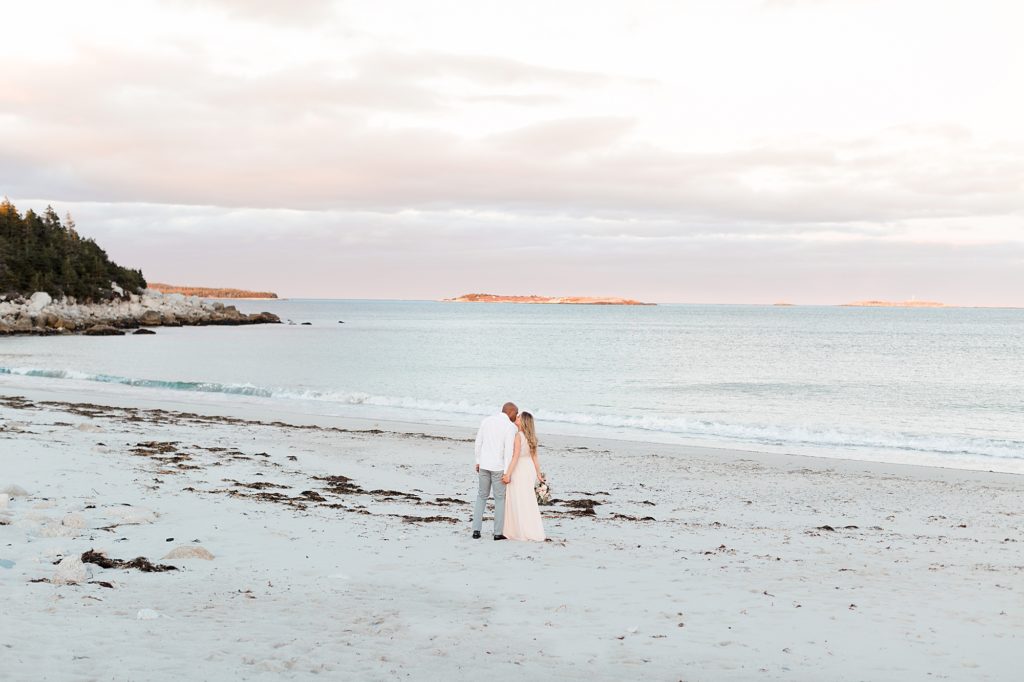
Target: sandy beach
x=754, y=270
x=341, y=550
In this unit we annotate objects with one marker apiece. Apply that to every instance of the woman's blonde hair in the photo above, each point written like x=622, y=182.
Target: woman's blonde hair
x=528, y=431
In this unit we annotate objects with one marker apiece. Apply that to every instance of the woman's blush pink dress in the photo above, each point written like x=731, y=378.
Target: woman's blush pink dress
x=522, y=515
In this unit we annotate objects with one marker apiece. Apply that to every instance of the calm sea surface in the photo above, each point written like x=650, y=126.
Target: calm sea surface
x=931, y=385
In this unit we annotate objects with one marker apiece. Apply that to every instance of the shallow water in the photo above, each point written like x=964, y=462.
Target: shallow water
x=914, y=385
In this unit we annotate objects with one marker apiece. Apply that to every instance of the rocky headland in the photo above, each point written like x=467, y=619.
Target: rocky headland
x=41, y=315
x=563, y=300
x=53, y=280
x=209, y=292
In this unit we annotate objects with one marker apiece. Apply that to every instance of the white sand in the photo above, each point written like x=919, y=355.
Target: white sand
x=732, y=581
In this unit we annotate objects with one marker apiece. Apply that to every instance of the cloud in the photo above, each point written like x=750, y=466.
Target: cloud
x=790, y=4
x=564, y=136
x=327, y=155
x=166, y=128
x=269, y=11
x=485, y=69
x=519, y=100
x=433, y=255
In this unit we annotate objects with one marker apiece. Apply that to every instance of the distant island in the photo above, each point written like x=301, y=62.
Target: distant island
x=563, y=300
x=209, y=292
x=894, y=304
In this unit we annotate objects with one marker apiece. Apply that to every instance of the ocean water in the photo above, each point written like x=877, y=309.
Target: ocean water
x=932, y=386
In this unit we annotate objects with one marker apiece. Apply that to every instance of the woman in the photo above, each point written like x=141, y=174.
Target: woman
x=522, y=515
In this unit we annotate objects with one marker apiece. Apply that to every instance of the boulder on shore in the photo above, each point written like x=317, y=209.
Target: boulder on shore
x=46, y=320
x=264, y=318
x=150, y=318
x=103, y=330
x=38, y=301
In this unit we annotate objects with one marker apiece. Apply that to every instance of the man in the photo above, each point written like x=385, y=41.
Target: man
x=494, y=443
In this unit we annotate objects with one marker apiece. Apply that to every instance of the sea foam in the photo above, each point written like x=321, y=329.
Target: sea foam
x=686, y=427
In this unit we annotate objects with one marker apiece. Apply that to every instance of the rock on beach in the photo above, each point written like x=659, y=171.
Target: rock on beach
x=189, y=552
x=71, y=571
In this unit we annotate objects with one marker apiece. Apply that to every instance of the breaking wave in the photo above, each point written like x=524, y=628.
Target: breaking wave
x=788, y=435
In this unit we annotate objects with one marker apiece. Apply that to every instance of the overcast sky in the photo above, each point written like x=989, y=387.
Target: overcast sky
x=814, y=151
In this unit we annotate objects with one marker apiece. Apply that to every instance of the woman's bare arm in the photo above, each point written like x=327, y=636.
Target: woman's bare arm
x=516, y=450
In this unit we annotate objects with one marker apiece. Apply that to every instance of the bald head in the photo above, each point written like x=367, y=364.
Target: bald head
x=511, y=411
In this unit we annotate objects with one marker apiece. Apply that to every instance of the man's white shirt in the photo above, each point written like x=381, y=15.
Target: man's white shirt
x=494, y=443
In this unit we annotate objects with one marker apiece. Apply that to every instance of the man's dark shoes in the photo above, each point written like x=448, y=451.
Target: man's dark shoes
x=500, y=537
x=476, y=535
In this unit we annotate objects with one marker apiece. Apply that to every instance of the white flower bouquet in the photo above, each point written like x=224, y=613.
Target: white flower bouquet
x=542, y=491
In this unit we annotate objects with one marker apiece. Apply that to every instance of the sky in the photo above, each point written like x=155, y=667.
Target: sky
x=711, y=151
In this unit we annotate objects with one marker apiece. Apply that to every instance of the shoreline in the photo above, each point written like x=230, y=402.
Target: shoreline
x=115, y=394
x=41, y=315
x=262, y=413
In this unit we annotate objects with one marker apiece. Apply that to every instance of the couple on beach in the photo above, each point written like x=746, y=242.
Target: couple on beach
x=507, y=464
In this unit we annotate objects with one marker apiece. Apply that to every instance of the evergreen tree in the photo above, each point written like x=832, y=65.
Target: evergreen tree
x=39, y=253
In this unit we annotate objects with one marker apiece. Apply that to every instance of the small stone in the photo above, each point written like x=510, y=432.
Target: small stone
x=133, y=515
x=189, y=552
x=55, y=530
x=74, y=521
x=147, y=614
x=71, y=571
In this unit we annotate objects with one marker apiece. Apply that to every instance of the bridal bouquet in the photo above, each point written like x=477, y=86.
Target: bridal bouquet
x=543, y=491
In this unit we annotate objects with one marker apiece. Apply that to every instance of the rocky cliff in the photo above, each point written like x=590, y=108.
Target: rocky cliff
x=42, y=315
